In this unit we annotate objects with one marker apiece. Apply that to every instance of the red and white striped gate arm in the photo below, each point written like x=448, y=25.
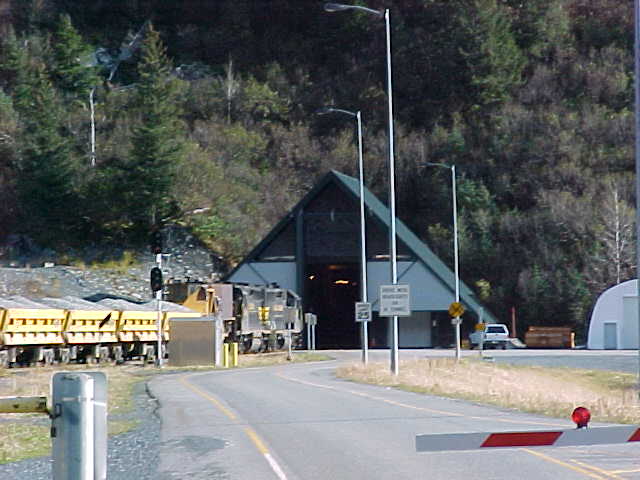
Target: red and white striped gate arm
x=535, y=438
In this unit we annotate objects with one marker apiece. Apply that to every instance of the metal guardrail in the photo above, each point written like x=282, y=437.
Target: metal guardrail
x=23, y=405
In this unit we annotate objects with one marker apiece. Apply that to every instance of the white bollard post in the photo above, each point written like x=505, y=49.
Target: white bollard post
x=79, y=426
x=313, y=336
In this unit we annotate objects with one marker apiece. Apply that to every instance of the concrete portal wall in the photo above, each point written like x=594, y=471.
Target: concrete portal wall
x=427, y=291
x=261, y=273
x=414, y=331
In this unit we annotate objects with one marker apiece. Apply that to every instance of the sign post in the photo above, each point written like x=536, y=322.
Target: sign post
x=395, y=301
x=363, y=316
x=313, y=332
x=311, y=319
x=456, y=309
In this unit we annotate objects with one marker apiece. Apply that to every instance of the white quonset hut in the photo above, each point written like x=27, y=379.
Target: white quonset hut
x=614, y=321
x=315, y=251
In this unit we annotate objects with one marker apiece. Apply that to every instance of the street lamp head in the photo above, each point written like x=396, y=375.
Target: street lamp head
x=335, y=7
x=339, y=7
x=323, y=110
x=433, y=164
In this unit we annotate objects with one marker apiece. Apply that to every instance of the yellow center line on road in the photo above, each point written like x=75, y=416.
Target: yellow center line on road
x=588, y=473
x=211, y=398
x=253, y=436
x=256, y=440
x=413, y=407
x=585, y=469
x=609, y=474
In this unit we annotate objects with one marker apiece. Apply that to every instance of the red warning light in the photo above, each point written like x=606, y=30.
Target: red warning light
x=581, y=417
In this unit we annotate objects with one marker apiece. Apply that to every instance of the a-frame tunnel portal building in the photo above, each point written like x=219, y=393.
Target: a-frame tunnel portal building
x=315, y=251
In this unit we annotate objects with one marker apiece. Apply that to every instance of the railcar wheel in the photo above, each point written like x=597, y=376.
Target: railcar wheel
x=104, y=355
x=150, y=354
x=245, y=344
x=256, y=345
x=65, y=356
x=117, y=355
x=48, y=357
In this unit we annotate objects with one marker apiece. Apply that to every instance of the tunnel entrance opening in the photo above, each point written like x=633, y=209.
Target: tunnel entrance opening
x=331, y=292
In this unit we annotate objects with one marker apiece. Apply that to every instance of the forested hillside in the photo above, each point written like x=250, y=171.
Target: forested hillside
x=118, y=116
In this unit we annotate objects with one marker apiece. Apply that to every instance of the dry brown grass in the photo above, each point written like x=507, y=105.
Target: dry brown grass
x=610, y=396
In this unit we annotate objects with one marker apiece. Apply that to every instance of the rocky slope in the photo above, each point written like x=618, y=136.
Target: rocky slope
x=35, y=273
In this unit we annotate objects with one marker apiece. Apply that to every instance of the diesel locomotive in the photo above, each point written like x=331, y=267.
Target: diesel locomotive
x=260, y=318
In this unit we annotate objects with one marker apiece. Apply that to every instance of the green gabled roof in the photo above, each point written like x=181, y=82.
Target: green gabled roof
x=417, y=246
x=381, y=212
x=289, y=217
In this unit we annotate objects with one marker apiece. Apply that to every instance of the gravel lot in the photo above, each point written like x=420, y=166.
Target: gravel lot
x=131, y=455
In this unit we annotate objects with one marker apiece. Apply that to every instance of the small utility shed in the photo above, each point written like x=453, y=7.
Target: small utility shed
x=315, y=251
x=614, y=321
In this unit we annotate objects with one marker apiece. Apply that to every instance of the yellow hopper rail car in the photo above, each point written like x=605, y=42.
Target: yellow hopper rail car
x=61, y=330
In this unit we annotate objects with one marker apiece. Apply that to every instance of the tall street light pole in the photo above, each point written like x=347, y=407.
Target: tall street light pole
x=363, y=240
x=457, y=320
x=637, y=155
x=338, y=7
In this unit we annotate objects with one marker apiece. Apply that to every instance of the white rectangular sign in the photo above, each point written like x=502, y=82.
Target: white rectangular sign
x=395, y=301
x=363, y=312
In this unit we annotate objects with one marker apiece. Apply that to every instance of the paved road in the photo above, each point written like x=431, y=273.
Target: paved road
x=298, y=422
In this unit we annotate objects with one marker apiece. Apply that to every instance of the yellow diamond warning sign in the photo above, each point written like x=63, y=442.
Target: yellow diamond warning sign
x=456, y=309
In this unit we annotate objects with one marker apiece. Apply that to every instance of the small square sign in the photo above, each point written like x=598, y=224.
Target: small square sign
x=363, y=312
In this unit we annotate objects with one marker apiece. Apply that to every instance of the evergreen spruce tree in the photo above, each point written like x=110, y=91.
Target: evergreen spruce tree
x=157, y=141
x=45, y=170
x=495, y=60
x=12, y=61
x=71, y=71
x=8, y=155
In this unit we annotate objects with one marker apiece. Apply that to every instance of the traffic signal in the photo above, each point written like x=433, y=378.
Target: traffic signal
x=156, y=242
x=156, y=279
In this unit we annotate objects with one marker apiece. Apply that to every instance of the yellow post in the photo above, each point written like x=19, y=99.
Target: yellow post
x=225, y=355
x=234, y=354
